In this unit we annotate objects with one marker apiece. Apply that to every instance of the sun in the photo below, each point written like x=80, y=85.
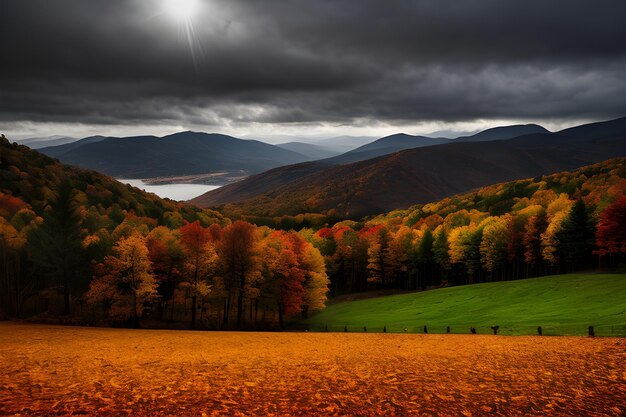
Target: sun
x=181, y=9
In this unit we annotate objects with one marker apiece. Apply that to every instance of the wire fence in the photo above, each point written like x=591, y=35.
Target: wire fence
x=505, y=330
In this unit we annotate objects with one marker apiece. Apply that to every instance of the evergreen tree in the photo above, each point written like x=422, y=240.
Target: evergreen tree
x=576, y=237
x=441, y=254
x=425, y=257
x=57, y=244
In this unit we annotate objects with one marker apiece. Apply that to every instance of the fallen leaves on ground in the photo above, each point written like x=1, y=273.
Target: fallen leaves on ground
x=54, y=370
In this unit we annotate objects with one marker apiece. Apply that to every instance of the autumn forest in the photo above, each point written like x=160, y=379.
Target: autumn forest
x=81, y=247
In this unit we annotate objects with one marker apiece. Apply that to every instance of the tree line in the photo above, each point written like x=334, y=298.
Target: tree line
x=79, y=245
x=565, y=222
x=236, y=276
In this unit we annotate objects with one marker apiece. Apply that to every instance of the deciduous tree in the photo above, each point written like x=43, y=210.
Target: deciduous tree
x=238, y=257
x=611, y=231
x=200, y=260
x=125, y=283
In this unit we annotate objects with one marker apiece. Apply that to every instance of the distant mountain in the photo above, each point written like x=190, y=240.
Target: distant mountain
x=42, y=142
x=401, y=141
x=503, y=133
x=450, y=134
x=343, y=144
x=385, y=146
x=417, y=175
x=184, y=153
x=55, y=151
x=313, y=152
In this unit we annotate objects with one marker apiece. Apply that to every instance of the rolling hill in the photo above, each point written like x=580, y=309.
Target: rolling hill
x=503, y=133
x=385, y=146
x=417, y=175
x=564, y=304
x=312, y=151
x=402, y=141
x=42, y=142
x=184, y=153
x=58, y=150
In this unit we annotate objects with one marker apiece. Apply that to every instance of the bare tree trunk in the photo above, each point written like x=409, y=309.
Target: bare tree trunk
x=193, y=311
x=280, y=316
x=242, y=285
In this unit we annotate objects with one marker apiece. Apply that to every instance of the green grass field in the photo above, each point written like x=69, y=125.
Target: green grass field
x=562, y=305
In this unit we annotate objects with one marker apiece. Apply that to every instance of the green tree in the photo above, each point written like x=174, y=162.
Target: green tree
x=56, y=245
x=441, y=249
x=576, y=237
x=425, y=258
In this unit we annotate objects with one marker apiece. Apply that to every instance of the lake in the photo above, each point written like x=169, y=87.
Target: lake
x=178, y=192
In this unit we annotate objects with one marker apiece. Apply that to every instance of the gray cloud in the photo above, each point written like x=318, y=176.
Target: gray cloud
x=343, y=62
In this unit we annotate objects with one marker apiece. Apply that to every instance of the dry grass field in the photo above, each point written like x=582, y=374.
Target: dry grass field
x=53, y=370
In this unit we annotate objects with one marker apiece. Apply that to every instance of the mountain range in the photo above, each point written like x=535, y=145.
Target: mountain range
x=45, y=141
x=184, y=153
x=310, y=150
x=417, y=175
x=195, y=153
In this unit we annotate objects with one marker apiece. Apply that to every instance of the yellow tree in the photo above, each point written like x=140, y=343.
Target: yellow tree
x=397, y=255
x=557, y=212
x=494, y=242
x=457, y=241
x=316, y=280
x=125, y=283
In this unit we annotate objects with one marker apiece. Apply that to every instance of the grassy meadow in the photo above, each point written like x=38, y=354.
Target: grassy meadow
x=562, y=305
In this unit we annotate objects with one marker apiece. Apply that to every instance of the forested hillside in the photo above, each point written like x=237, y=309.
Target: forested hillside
x=413, y=176
x=551, y=224
x=80, y=245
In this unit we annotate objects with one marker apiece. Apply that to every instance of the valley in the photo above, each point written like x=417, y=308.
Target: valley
x=177, y=191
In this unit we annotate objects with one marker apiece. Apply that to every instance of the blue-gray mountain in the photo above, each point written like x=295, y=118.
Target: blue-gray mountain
x=184, y=153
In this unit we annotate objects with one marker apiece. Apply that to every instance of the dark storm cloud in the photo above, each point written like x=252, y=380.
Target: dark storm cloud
x=307, y=61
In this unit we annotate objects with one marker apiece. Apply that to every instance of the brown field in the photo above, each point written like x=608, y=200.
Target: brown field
x=53, y=370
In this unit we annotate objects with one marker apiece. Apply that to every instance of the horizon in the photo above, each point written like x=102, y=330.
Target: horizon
x=278, y=139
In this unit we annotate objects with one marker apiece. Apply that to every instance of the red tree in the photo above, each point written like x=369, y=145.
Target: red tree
x=194, y=239
x=237, y=249
x=611, y=230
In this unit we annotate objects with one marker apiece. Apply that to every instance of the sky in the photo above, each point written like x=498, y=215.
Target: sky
x=300, y=68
